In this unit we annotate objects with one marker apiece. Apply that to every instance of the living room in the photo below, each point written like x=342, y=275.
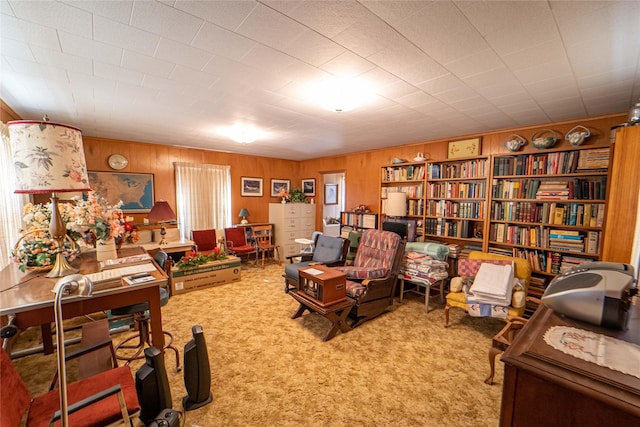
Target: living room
x=403, y=367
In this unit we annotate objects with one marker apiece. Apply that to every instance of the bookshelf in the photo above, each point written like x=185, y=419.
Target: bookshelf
x=457, y=200
x=549, y=207
x=408, y=178
x=356, y=221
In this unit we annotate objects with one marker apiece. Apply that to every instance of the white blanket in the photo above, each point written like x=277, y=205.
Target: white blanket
x=493, y=284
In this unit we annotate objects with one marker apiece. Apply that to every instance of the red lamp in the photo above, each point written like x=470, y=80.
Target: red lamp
x=161, y=212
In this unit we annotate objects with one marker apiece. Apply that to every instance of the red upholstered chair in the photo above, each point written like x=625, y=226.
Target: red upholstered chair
x=205, y=240
x=371, y=280
x=236, y=239
x=103, y=390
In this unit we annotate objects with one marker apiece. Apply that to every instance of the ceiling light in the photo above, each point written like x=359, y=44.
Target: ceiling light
x=242, y=133
x=341, y=93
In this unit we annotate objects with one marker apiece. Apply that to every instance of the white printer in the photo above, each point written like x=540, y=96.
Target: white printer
x=596, y=292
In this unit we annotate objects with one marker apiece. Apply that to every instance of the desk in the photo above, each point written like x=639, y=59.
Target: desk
x=184, y=247
x=28, y=297
x=546, y=387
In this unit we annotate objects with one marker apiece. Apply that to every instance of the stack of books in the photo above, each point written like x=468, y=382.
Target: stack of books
x=553, y=190
x=566, y=240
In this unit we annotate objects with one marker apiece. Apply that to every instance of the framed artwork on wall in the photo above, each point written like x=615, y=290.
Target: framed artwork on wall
x=309, y=187
x=134, y=189
x=463, y=148
x=251, y=187
x=331, y=194
x=278, y=185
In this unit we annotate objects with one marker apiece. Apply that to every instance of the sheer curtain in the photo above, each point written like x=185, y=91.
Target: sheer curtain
x=10, y=203
x=203, y=197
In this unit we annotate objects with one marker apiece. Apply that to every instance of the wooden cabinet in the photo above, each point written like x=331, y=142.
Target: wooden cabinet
x=291, y=221
x=623, y=196
x=457, y=200
x=544, y=386
x=408, y=178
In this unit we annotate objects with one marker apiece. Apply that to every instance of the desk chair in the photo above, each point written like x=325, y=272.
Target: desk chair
x=111, y=398
x=236, y=241
x=262, y=235
x=205, y=240
x=141, y=318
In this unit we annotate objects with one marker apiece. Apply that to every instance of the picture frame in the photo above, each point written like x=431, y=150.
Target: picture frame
x=463, y=148
x=331, y=194
x=279, y=184
x=251, y=187
x=309, y=186
x=135, y=190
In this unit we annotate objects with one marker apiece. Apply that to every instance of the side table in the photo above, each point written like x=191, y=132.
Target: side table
x=336, y=313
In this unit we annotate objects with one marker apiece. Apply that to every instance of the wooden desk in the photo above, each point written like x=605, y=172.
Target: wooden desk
x=546, y=387
x=28, y=297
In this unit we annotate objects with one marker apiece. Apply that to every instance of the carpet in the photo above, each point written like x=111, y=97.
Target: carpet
x=402, y=368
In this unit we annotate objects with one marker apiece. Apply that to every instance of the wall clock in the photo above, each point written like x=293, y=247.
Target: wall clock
x=118, y=161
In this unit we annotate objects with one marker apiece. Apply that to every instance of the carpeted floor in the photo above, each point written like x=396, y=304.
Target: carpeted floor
x=402, y=368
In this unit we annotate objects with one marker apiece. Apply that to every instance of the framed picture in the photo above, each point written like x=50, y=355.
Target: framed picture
x=251, y=187
x=463, y=148
x=134, y=189
x=279, y=184
x=309, y=187
x=331, y=194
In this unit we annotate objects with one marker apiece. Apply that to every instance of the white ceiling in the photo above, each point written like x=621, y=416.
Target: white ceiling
x=173, y=71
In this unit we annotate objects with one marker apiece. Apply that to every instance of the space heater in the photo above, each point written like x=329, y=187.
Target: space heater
x=197, y=373
x=152, y=386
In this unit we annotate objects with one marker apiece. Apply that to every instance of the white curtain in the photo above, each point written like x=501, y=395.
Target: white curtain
x=203, y=197
x=10, y=203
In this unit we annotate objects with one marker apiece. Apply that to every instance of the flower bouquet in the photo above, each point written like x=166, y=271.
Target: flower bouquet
x=35, y=250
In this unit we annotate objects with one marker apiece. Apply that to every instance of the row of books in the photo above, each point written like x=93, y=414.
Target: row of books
x=476, y=168
x=570, y=189
x=578, y=214
x=462, y=190
x=448, y=208
x=546, y=238
x=412, y=191
x=442, y=227
x=403, y=173
x=359, y=220
x=537, y=164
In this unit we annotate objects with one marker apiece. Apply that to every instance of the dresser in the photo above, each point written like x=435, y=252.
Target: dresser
x=291, y=221
x=547, y=387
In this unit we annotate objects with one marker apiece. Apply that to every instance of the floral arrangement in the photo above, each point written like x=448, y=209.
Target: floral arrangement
x=195, y=259
x=95, y=214
x=360, y=209
x=37, y=250
x=284, y=194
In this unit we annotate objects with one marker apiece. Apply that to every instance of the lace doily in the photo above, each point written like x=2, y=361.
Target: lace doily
x=600, y=349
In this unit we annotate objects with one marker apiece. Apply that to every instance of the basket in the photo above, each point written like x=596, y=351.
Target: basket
x=515, y=142
x=44, y=232
x=542, y=142
x=577, y=135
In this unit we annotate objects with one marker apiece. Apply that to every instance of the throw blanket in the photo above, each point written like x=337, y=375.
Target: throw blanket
x=490, y=294
x=419, y=267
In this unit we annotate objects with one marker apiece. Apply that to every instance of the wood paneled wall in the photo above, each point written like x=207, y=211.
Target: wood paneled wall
x=362, y=169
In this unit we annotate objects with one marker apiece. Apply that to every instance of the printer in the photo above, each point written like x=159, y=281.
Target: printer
x=596, y=292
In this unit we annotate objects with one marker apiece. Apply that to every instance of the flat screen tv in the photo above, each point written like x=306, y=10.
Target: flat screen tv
x=403, y=227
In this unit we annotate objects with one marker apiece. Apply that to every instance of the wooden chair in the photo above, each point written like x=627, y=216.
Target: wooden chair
x=205, y=240
x=236, y=241
x=99, y=400
x=262, y=234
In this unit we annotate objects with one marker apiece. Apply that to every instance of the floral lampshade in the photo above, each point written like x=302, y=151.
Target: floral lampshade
x=48, y=157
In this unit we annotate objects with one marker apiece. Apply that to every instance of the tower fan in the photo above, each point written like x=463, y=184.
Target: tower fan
x=197, y=374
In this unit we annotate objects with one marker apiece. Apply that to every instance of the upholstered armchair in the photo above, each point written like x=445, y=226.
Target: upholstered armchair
x=371, y=280
x=328, y=250
x=468, y=267
x=205, y=240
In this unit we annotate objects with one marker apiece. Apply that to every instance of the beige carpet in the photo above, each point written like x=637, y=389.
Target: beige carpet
x=402, y=368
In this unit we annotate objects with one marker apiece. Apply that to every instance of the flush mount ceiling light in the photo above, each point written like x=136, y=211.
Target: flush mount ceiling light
x=240, y=132
x=341, y=93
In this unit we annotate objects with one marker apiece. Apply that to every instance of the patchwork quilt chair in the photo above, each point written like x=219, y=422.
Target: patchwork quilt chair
x=205, y=240
x=468, y=268
x=330, y=251
x=371, y=280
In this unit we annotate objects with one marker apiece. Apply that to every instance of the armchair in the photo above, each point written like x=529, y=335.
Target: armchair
x=328, y=250
x=458, y=298
x=205, y=240
x=236, y=241
x=371, y=280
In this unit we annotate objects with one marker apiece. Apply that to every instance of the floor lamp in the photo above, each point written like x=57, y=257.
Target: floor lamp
x=49, y=158
x=74, y=284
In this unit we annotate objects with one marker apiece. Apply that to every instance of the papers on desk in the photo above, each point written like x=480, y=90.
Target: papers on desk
x=112, y=278
x=125, y=261
x=313, y=271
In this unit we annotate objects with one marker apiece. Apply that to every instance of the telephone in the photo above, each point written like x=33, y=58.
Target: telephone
x=595, y=292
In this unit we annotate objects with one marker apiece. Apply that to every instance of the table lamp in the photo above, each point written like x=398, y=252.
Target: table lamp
x=81, y=286
x=49, y=158
x=244, y=213
x=396, y=205
x=162, y=212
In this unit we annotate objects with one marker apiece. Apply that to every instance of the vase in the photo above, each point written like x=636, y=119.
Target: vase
x=283, y=201
x=106, y=249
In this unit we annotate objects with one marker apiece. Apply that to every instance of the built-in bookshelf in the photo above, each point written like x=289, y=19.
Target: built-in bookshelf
x=408, y=178
x=356, y=221
x=549, y=208
x=457, y=200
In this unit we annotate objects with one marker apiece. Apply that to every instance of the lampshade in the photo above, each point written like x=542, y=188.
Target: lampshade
x=244, y=213
x=161, y=211
x=48, y=157
x=396, y=204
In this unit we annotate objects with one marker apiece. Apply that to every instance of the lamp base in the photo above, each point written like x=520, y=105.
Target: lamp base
x=244, y=221
x=61, y=267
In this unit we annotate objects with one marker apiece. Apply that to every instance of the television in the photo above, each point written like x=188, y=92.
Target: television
x=152, y=385
x=403, y=227
x=197, y=372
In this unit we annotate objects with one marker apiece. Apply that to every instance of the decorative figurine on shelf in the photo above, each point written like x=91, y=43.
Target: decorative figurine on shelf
x=361, y=209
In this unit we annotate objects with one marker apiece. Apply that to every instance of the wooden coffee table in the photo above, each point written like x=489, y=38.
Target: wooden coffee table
x=336, y=313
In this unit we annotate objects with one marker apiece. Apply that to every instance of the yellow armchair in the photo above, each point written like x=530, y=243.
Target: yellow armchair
x=522, y=271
